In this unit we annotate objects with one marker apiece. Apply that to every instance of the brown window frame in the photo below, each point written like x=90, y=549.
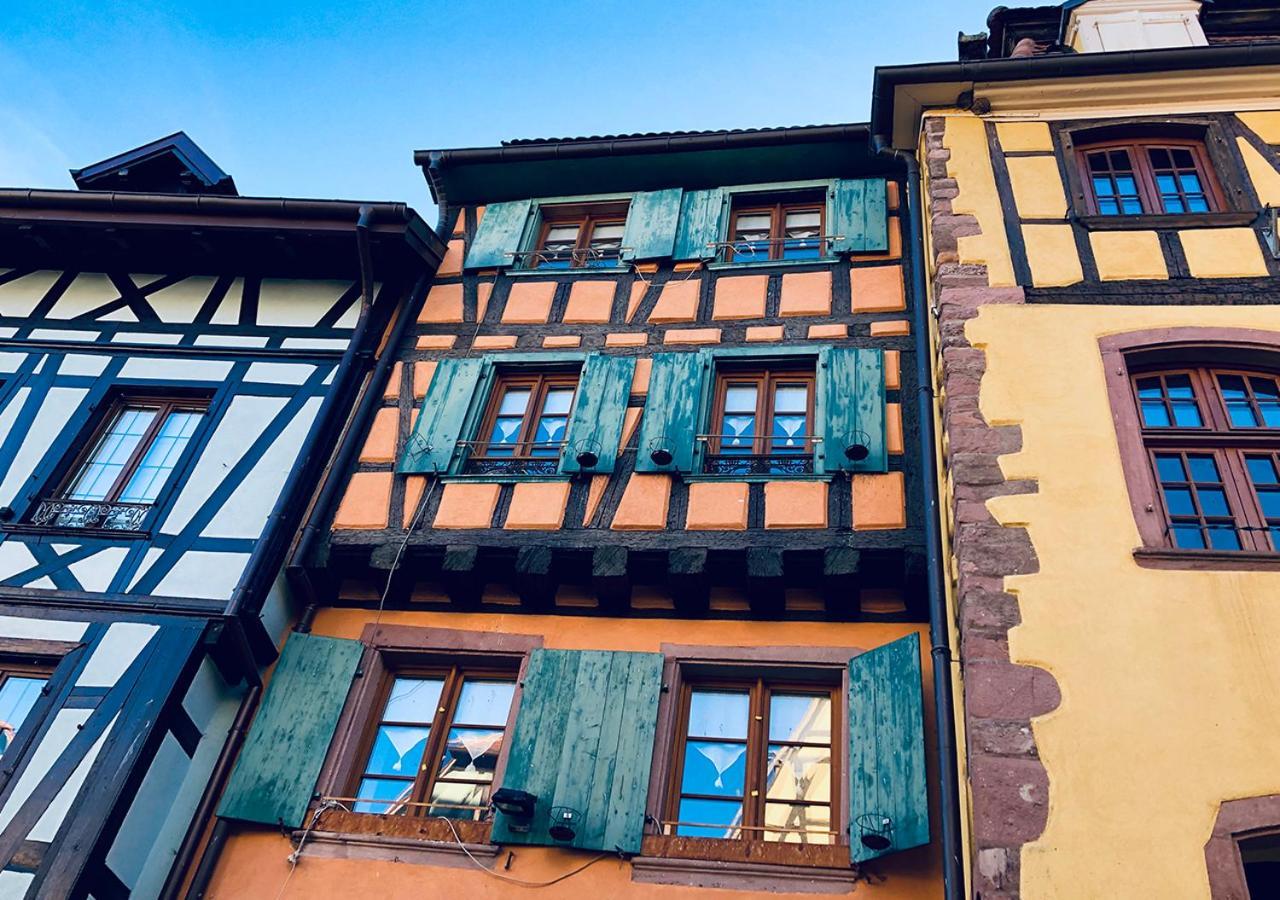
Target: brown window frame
x=761, y=688
x=777, y=209
x=765, y=379
x=427, y=776
x=39, y=664
x=1229, y=445
x=1144, y=174
x=588, y=217
x=165, y=403
x=539, y=382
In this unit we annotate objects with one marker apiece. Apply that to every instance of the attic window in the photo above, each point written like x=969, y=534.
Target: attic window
x=1149, y=176
x=580, y=236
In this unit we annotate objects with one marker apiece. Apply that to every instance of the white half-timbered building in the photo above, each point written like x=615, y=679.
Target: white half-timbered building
x=176, y=365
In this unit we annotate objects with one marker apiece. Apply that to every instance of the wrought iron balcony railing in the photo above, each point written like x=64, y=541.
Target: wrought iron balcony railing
x=89, y=515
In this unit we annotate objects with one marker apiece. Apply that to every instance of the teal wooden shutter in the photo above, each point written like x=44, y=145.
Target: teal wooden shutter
x=859, y=216
x=277, y=770
x=700, y=214
x=598, y=412
x=498, y=235
x=434, y=442
x=886, y=749
x=584, y=740
x=651, y=224
x=851, y=384
x=672, y=412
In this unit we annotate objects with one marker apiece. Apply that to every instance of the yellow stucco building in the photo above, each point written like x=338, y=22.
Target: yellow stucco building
x=1098, y=183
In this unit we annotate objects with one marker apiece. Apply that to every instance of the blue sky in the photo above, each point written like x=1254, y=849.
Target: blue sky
x=314, y=99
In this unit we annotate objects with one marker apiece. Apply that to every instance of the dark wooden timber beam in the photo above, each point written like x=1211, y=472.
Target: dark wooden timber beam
x=765, y=583
x=609, y=578
x=535, y=580
x=687, y=580
x=459, y=573
x=841, y=581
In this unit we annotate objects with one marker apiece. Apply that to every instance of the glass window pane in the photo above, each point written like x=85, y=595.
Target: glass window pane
x=1261, y=470
x=459, y=800
x=1264, y=388
x=799, y=773
x=514, y=402
x=505, y=431
x=1213, y=502
x=1149, y=389
x=610, y=231
x=113, y=450
x=17, y=696
x=1169, y=467
x=809, y=218
x=710, y=818
x=1159, y=157
x=797, y=717
x=397, y=750
x=557, y=401
x=1132, y=207
x=1270, y=503
x=161, y=457
x=550, y=431
x=789, y=433
x=1203, y=468
x=1173, y=205
x=719, y=714
x=484, y=703
x=1154, y=414
x=1188, y=537
x=1185, y=414
x=754, y=222
x=471, y=754
x=1183, y=159
x=1126, y=185
x=1167, y=184
x=1178, y=501
x=791, y=398
x=714, y=768
x=1232, y=387
x=1097, y=162
x=380, y=795
x=1197, y=203
x=738, y=432
x=803, y=824
x=413, y=700
x=1103, y=186
x=740, y=398
x=1190, y=183
x=1120, y=160
x=1179, y=386
x=1223, y=537
x=562, y=234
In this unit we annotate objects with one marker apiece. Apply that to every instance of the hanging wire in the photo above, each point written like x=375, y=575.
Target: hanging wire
x=296, y=855
x=511, y=879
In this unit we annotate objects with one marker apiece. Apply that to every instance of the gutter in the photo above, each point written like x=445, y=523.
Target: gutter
x=888, y=79
x=201, y=204
x=939, y=641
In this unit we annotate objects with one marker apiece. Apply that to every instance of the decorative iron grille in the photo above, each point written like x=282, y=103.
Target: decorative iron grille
x=482, y=465
x=90, y=515
x=768, y=464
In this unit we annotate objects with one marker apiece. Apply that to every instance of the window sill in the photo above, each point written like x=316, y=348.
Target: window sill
x=413, y=839
x=1152, y=222
x=508, y=479
x=756, y=479
x=765, y=263
x=761, y=866
x=1224, y=560
x=594, y=270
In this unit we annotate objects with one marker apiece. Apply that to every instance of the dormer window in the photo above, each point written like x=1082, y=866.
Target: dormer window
x=1149, y=177
x=580, y=236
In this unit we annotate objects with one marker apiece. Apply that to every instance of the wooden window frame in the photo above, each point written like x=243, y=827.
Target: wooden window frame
x=777, y=209
x=1138, y=149
x=1230, y=446
x=755, y=791
x=539, y=382
x=588, y=217
x=766, y=379
x=24, y=658
x=165, y=403
x=427, y=776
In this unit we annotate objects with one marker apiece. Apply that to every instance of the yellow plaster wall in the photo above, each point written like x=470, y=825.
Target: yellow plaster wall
x=1170, y=680
x=1121, y=255
x=1018, y=137
x=1052, y=255
x=1265, y=178
x=1223, y=253
x=1265, y=125
x=970, y=166
x=1037, y=187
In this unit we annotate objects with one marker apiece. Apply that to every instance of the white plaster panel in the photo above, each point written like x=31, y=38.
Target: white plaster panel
x=203, y=574
x=42, y=629
x=115, y=652
x=43, y=582
x=20, y=297
x=62, y=334
x=279, y=373
x=146, y=815
x=182, y=301
x=95, y=572
x=208, y=693
x=7, y=332
x=228, y=311
x=245, y=419
x=145, y=337
x=9, y=362
x=148, y=559
x=246, y=510
x=123, y=314
x=82, y=364
x=65, y=726
x=54, y=413
x=278, y=612
x=14, y=558
x=176, y=369
x=303, y=303
x=46, y=829
x=314, y=343
x=14, y=885
x=89, y=291
x=231, y=340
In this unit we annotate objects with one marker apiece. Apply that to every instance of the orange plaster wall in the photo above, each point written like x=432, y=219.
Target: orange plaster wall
x=467, y=505
x=643, y=506
x=764, y=333
x=717, y=505
x=893, y=369
x=678, y=302
x=806, y=294
x=529, y=302
x=692, y=336
x=452, y=262
x=879, y=502
x=640, y=380
x=538, y=506
x=255, y=863
x=877, y=289
x=741, y=297
x=826, y=332
x=590, y=301
x=795, y=504
x=443, y=304
x=380, y=445
x=365, y=503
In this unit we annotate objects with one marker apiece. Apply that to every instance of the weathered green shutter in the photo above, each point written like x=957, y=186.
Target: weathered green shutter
x=276, y=774
x=434, y=442
x=501, y=228
x=584, y=740
x=852, y=385
x=886, y=749
x=598, y=412
x=858, y=216
x=700, y=213
x=651, y=224
x=672, y=411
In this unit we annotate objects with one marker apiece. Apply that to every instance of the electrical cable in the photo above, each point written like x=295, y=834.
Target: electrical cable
x=297, y=853
x=511, y=879
x=423, y=502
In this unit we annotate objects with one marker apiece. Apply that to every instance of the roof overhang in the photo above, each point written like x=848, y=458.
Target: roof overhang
x=207, y=234
x=901, y=94
x=647, y=162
